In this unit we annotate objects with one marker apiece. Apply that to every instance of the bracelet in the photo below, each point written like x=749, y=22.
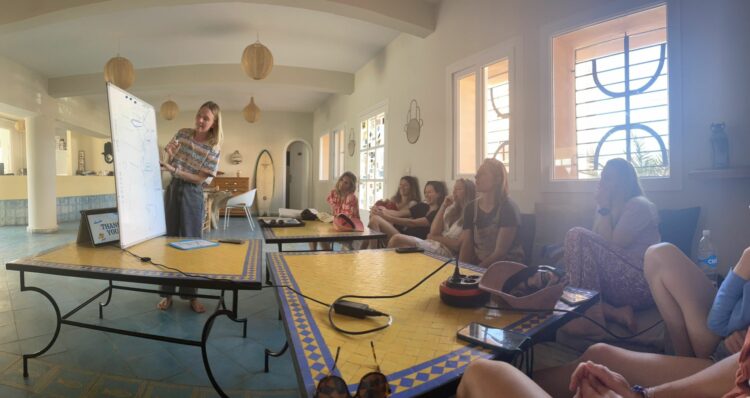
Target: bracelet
x=643, y=391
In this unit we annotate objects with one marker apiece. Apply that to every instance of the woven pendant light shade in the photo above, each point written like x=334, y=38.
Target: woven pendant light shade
x=119, y=71
x=169, y=110
x=251, y=111
x=20, y=126
x=257, y=61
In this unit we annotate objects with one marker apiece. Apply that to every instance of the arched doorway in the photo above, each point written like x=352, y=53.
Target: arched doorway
x=297, y=175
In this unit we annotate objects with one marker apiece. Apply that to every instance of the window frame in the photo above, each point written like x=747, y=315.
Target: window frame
x=374, y=110
x=324, y=160
x=674, y=78
x=510, y=50
x=337, y=168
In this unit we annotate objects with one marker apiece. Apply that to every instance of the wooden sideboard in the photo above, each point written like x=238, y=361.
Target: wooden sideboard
x=234, y=185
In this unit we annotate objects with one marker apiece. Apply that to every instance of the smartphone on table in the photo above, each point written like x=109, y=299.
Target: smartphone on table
x=494, y=338
x=574, y=296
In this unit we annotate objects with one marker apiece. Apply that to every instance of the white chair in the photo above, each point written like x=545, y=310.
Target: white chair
x=244, y=202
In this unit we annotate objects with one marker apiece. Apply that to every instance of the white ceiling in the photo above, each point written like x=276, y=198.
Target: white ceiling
x=196, y=34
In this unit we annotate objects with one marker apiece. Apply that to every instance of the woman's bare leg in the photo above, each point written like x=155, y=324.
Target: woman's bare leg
x=485, y=378
x=621, y=315
x=401, y=240
x=637, y=367
x=684, y=297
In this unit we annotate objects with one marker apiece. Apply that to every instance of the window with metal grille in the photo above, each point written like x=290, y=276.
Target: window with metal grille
x=620, y=97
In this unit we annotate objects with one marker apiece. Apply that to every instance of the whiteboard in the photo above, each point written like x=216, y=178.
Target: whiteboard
x=140, y=201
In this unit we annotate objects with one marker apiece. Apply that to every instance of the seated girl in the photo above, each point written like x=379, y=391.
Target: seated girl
x=342, y=200
x=420, y=217
x=445, y=232
x=398, y=206
x=684, y=296
x=609, y=259
x=492, y=221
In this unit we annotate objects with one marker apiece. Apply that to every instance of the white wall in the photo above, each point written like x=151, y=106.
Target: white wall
x=274, y=131
x=714, y=53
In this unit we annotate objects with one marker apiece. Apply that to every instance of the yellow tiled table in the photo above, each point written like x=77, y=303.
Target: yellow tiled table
x=418, y=352
x=227, y=267
x=315, y=231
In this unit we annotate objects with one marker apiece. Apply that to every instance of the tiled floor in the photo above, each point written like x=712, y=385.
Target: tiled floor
x=87, y=363
x=90, y=363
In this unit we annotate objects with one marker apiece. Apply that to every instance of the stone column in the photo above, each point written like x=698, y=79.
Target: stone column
x=41, y=181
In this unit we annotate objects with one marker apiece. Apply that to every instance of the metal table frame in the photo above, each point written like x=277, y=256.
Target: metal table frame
x=234, y=286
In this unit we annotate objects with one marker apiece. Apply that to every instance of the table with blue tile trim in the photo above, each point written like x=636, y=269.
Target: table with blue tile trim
x=225, y=267
x=419, y=352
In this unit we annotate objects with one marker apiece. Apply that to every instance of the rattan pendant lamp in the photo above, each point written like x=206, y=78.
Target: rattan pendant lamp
x=251, y=111
x=257, y=60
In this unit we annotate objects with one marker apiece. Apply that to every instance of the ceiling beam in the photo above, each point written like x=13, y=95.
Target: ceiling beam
x=173, y=78
x=415, y=17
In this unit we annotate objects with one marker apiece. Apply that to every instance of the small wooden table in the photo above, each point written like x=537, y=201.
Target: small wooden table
x=227, y=267
x=313, y=232
x=419, y=352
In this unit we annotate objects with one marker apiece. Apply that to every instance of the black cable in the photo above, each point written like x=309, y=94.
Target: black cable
x=576, y=313
x=390, y=319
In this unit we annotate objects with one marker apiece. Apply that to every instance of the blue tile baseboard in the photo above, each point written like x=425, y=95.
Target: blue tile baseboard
x=15, y=212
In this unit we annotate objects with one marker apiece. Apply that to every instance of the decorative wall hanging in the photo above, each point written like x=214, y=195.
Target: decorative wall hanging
x=235, y=158
x=257, y=61
x=414, y=123
x=169, y=110
x=119, y=71
x=352, y=145
x=251, y=111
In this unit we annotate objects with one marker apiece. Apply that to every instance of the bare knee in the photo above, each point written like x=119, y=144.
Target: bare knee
x=600, y=353
x=660, y=258
x=399, y=240
x=482, y=372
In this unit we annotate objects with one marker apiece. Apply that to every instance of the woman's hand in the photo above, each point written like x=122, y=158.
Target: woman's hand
x=594, y=380
x=734, y=341
x=447, y=201
x=603, y=197
x=172, y=147
x=167, y=167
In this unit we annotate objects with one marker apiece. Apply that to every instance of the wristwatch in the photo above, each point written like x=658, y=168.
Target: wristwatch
x=603, y=211
x=643, y=391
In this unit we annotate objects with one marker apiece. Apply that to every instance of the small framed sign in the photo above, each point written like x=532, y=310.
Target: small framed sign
x=99, y=227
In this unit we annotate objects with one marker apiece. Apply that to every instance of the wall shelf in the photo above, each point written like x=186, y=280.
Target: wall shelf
x=731, y=172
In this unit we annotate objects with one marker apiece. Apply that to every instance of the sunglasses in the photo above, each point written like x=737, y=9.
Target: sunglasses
x=371, y=385
x=532, y=279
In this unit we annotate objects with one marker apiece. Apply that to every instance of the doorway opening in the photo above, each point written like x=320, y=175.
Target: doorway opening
x=297, y=175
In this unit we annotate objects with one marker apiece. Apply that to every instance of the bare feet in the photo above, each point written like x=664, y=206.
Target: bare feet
x=196, y=306
x=621, y=315
x=165, y=303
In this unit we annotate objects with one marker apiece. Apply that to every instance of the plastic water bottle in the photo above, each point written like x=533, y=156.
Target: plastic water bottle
x=707, y=259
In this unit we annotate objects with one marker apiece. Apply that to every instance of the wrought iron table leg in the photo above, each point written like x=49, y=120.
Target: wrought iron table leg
x=269, y=353
x=243, y=321
x=109, y=297
x=204, y=340
x=57, y=327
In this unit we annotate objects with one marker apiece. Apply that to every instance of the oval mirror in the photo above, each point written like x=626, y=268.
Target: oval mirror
x=413, y=127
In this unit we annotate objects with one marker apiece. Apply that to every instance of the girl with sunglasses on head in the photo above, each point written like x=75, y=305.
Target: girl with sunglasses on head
x=445, y=231
x=192, y=159
x=420, y=217
x=398, y=206
x=492, y=221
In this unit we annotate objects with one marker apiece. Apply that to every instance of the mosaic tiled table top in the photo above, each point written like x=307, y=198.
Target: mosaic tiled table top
x=240, y=263
x=418, y=352
x=314, y=231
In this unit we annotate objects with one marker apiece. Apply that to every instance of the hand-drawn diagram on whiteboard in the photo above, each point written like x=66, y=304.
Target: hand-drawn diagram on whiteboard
x=140, y=201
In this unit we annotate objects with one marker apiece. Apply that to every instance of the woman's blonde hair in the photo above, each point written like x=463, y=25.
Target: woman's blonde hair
x=352, y=177
x=216, y=134
x=456, y=211
x=500, y=175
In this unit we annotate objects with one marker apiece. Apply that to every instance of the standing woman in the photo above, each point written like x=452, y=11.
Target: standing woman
x=192, y=159
x=609, y=259
x=492, y=221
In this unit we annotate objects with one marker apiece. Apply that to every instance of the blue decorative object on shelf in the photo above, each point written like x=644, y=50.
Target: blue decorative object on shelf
x=720, y=146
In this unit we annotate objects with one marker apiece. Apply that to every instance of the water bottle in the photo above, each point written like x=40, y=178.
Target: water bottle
x=707, y=259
